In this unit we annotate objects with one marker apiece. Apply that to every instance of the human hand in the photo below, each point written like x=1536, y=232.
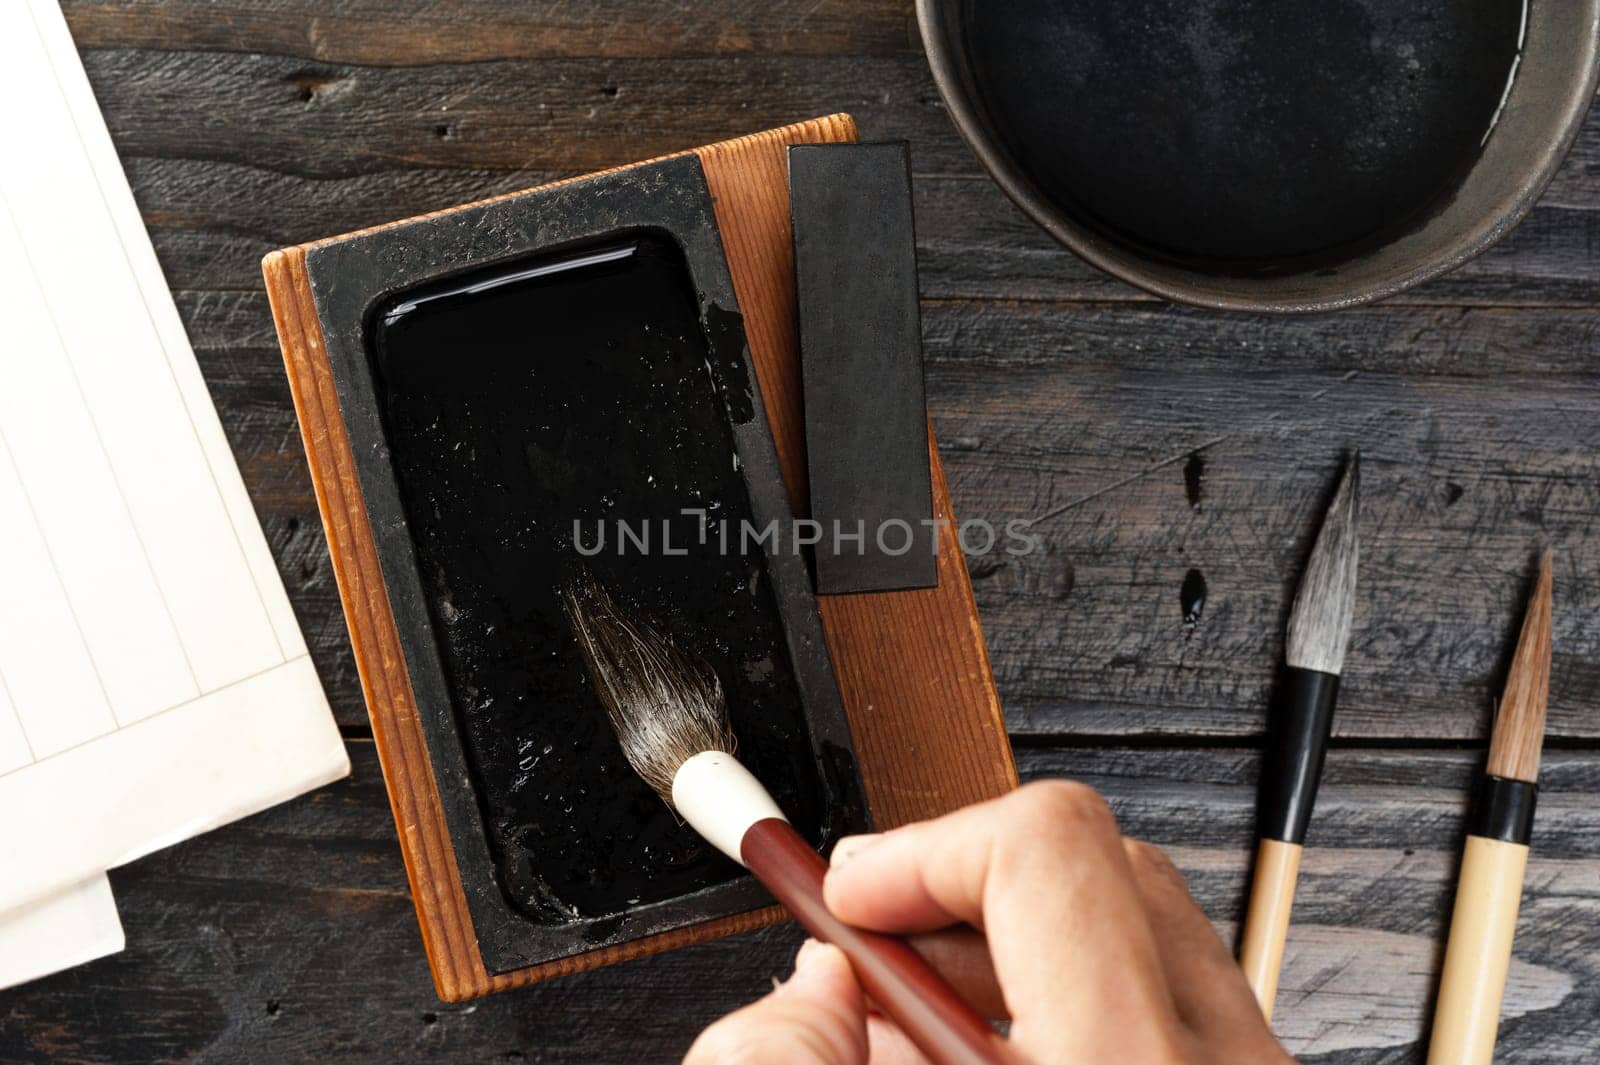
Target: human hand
x=1038, y=911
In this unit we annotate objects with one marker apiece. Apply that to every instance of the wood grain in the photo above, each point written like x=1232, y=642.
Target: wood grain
x=398, y=32
x=1480, y=427
x=289, y=938
x=1480, y=438
x=251, y=126
x=901, y=658
x=213, y=218
x=464, y=95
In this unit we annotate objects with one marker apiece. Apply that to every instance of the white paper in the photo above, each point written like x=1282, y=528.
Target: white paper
x=77, y=925
x=153, y=682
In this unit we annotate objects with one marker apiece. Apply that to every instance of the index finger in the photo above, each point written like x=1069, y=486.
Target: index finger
x=1043, y=873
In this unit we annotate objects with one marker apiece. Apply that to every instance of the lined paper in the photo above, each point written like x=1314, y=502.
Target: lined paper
x=153, y=681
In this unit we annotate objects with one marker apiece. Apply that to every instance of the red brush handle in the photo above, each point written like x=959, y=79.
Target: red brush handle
x=907, y=988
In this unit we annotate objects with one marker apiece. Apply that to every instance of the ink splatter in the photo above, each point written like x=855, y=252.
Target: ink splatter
x=1194, y=473
x=1192, y=597
x=725, y=330
x=1066, y=580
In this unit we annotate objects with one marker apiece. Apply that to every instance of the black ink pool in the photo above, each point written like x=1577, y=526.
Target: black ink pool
x=516, y=401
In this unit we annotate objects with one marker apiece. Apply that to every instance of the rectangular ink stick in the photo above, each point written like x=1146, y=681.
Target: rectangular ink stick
x=861, y=366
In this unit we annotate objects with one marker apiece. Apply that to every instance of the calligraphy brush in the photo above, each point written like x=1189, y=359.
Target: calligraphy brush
x=668, y=711
x=1489, y=889
x=1297, y=743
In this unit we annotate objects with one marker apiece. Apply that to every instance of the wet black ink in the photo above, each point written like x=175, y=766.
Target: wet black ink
x=1192, y=597
x=582, y=388
x=1194, y=473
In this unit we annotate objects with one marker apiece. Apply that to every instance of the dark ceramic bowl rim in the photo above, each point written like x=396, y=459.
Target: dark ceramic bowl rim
x=1402, y=261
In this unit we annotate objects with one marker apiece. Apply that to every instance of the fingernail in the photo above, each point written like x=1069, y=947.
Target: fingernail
x=807, y=952
x=850, y=846
x=804, y=967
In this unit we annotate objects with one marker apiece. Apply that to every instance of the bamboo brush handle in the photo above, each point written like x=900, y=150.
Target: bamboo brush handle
x=899, y=980
x=1478, y=956
x=1266, y=922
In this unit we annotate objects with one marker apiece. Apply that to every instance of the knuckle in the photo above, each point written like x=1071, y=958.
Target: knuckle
x=1175, y=1046
x=777, y=1031
x=1149, y=860
x=724, y=1043
x=1175, y=1053
x=1058, y=802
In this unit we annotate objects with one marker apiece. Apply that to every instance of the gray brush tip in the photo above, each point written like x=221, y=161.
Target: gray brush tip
x=664, y=703
x=1319, y=622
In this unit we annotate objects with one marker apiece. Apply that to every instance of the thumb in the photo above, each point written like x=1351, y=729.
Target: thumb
x=816, y=1017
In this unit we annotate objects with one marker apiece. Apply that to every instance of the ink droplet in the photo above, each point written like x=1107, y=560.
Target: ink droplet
x=1066, y=581
x=1192, y=597
x=1194, y=472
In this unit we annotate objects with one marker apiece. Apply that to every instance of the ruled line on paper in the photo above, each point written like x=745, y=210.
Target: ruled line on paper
x=83, y=142
x=43, y=602
x=122, y=495
x=12, y=736
x=154, y=682
x=165, y=710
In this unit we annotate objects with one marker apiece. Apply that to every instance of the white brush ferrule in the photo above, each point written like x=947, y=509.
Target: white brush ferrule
x=721, y=799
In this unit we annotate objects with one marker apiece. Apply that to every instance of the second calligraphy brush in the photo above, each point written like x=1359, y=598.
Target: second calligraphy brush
x=1319, y=632
x=1489, y=891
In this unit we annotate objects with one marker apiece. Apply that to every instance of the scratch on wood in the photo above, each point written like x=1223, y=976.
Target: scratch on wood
x=1179, y=457
x=1147, y=471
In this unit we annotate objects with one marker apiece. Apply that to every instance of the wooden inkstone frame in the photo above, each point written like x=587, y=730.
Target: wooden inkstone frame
x=909, y=668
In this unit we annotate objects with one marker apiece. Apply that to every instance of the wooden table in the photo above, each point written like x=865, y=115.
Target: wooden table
x=249, y=124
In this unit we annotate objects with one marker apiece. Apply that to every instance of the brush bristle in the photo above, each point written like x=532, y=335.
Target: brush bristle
x=1319, y=622
x=1519, y=727
x=665, y=705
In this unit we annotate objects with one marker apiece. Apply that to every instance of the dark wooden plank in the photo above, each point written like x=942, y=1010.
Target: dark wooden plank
x=248, y=126
x=973, y=243
x=555, y=88
x=290, y=937
x=394, y=32
x=566, y=115
x=1481, y=431
x=212, y=221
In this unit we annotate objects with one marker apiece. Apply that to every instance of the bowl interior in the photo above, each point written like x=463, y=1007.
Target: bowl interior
x=1186, y=149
